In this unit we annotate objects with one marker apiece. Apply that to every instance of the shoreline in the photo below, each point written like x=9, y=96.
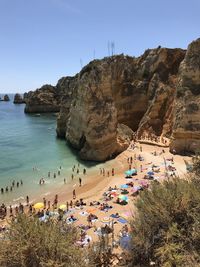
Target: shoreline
x=94, y=185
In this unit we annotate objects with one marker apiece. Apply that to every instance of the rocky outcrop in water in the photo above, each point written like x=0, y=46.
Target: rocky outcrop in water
x=6, y=98
x=43, y=100
x=109, y=99
x=18, y=99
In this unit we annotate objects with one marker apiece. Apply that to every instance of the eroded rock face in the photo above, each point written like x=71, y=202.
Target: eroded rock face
x=135, y=92
x=102, y=105
x=45, y=99
x=18, y=99
x=186, y=127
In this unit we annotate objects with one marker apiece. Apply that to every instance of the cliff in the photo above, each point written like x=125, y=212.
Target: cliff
x=45, y=99
x=186, y=125
x=155, y=94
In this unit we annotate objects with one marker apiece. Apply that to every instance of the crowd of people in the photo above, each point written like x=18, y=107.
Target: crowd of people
x=11, y=187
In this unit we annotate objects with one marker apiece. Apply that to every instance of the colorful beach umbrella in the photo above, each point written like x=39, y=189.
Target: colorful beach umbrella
x=39, y=205
x=62, y=207
x=123, y=197
x=129, y=172
x=144, y=183
x=114, y=194
x=150, y=173
x=106, y=220
x=134, y=190
x=123, y=186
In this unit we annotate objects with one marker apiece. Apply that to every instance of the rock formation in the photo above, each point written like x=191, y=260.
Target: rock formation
x=18, y=99
x=100, y=107
x=45, y=99
x=6, y=98
x=186, y=126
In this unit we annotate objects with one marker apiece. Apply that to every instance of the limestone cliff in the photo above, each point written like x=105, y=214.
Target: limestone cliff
x=115, y=91
x=45, y=99
x=186, y=125
x=100, y=107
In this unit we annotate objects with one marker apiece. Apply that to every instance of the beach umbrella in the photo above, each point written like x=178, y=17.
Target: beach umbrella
x=134, y=171
x=62, y=207
x=150, y=173
x=106, y=220
x=144, y=183
x=39, y=205
x=129, y=172
x=114, y=194
x=123, y=197
x=134, y=190
x=123, y=186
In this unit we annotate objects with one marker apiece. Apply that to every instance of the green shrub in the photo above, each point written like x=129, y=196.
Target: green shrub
x=31, y=243
x=166, y=229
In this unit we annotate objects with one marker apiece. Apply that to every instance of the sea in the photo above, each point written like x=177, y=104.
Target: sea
x=29, y=149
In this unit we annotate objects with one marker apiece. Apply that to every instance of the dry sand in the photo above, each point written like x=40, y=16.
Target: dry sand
x=94, y=184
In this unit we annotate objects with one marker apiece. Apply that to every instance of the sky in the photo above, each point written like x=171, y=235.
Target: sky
x=44, y=40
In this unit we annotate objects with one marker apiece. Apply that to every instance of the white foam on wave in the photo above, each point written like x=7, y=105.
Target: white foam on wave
x=47, y=194
x=17, y=199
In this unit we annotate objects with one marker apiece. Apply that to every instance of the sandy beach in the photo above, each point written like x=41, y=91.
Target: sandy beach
x=94, y=186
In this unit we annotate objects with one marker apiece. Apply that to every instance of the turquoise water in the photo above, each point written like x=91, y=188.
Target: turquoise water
x=28, y=141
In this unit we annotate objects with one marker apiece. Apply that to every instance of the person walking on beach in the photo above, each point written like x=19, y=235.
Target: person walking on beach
x=54, y=176
x=64, y=181
x=80, y=181
x=113, y=171
x=27, y=200
x=84, y=171
x=49, y=174
x=74, y=194
x=49, y=204
x=44, y=202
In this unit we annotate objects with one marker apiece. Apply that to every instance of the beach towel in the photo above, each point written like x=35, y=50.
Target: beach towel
x=122, y=220
x=83, y=213
x=114, y=216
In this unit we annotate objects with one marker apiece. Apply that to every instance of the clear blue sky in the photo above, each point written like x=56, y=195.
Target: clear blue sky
x=43, y=40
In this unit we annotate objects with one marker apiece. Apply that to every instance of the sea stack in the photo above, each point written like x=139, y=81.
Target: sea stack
x=18, y=99
x=6, y=98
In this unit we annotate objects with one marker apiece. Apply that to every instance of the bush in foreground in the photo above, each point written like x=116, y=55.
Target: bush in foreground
x=30, y=243
x=166, y=229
